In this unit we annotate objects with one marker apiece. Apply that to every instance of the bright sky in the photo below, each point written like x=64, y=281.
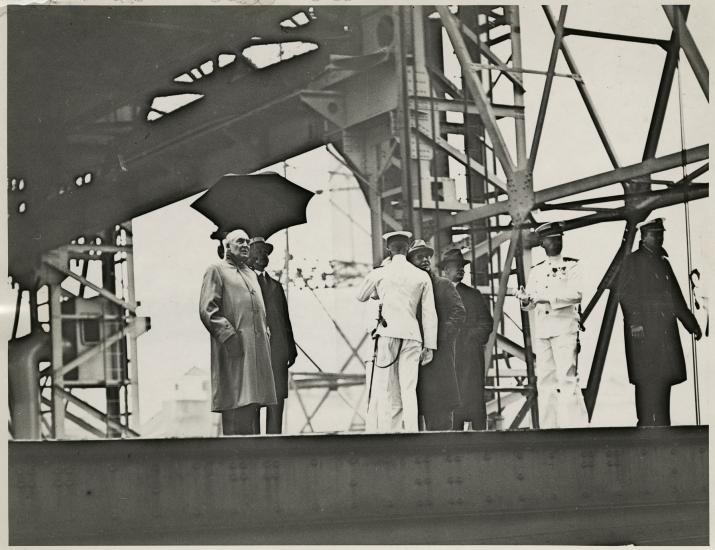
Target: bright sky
x=172, y=245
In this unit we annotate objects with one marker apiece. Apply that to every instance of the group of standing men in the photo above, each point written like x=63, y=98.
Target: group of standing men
x=431, y=332
x=429, y=342
x=252, y=345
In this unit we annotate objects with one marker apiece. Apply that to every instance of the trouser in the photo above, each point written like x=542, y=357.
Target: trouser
x=561, y=402
x=653, y=404
x=240, y=421
x=437, y=420
x=393, y=396
x=274, y=417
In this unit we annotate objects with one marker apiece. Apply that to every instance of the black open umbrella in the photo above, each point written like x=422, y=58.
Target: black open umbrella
x=261, y=204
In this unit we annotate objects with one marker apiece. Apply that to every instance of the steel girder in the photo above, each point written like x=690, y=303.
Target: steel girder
x=67, y=106
x=575, y=487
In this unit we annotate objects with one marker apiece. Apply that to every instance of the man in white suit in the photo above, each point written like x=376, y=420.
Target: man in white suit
x=402, y=289
x=554, y=290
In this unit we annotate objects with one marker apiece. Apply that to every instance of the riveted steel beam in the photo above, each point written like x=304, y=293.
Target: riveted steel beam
x=592, y=486
x=626, y=173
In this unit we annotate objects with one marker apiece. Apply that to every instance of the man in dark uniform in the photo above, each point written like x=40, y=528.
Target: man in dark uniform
x=471, y=338
x=652, y=303
x=283, y=350
x=437, y=387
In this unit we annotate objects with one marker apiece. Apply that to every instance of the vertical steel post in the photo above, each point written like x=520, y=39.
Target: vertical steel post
x=418, y=65
x=519, y=122
x=58, y=400
x=404, y=115
x=375, y=201
x=109, y=283
x=523, y=256
x=133, y=393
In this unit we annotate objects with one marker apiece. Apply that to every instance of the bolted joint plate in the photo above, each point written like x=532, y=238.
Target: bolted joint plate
x=520, y=188
x=329, y=104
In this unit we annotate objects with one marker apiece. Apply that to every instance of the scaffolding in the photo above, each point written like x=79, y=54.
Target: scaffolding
x=376, y=93
x=84, y=322
x=402, y=161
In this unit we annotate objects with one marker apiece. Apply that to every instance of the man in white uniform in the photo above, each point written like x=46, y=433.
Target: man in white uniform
x=402, y=289
x=554, y=290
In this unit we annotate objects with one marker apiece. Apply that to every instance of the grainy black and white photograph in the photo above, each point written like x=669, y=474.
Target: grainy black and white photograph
x=341, y=274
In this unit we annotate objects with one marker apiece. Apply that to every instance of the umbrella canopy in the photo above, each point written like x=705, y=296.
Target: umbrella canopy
x=261, y=204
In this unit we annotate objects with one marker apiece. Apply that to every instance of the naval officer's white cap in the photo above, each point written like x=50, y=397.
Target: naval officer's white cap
x=550, y=229
x=403, y=234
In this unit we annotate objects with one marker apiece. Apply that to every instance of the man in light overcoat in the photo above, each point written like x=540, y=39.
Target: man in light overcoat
x=232, y=310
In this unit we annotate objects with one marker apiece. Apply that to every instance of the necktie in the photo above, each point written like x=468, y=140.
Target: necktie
x=262, y=281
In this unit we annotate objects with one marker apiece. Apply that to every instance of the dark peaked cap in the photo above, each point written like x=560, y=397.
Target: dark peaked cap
x=655, y=224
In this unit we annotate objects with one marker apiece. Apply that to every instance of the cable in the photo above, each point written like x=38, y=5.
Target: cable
x=694, y=348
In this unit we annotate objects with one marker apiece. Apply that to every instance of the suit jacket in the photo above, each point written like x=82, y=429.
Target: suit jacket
x=404, y=292
x=473, y=335
x=651, y=298
x=437, y=386
x=283, y=350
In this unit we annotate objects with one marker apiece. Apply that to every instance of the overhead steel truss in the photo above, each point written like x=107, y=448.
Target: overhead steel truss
x=418, y=148
x=375, y=93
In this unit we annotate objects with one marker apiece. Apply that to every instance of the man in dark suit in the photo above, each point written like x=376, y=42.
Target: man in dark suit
x=437, y=387
x=652, y=305
x=283, y=350
x=473, y=335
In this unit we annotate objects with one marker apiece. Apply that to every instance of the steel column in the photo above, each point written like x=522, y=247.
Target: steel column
x=523, y=255
x=408, y=221
x=58, y=395
x=133, y=389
